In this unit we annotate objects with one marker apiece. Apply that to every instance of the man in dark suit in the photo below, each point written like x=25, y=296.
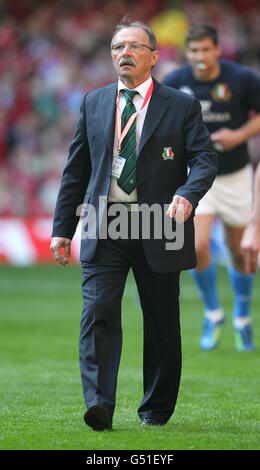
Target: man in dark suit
x=134, y=143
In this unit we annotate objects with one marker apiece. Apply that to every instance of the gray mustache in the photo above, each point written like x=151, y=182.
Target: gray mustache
x=124, y=61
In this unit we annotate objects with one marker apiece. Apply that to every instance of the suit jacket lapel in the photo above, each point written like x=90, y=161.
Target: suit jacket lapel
x=156, y=109
x=107, y=108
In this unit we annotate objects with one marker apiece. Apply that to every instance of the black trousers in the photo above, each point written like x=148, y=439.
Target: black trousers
x=103, y=283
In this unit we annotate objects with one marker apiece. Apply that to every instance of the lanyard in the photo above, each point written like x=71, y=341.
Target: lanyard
x=121, y=134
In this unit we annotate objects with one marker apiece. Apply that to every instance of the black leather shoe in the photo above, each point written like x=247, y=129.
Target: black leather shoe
x=97, y=418
x=153, y=422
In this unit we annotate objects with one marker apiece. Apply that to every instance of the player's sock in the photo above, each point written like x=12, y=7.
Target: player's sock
x=214, y=316
x=242, y=285
x=206, y=281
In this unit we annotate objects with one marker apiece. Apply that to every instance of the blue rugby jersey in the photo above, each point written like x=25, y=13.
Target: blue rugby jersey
x=225, y=101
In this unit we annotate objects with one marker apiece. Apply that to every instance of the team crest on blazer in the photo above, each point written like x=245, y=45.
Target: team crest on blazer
x=167, y=153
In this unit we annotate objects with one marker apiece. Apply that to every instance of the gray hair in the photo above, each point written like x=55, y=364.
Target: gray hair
x=125, y=23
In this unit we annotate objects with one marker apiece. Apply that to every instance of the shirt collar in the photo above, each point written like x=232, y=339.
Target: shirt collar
x=142, y=89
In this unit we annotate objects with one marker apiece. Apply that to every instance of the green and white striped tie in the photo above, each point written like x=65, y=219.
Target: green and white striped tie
x=127, y=180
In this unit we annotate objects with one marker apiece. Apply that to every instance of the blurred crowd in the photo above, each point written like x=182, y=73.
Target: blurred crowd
x=53, y=52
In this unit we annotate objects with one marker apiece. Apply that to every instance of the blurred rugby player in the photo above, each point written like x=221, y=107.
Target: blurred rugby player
x=227, y=93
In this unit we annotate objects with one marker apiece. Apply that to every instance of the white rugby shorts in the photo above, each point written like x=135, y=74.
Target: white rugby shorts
x=230, y=198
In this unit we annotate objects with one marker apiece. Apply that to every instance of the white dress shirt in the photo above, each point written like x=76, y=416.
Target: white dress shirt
x=116, y=194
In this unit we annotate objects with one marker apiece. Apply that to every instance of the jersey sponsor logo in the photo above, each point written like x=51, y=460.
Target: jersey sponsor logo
x=221, y=92
x=210, y=116
x=205, y=105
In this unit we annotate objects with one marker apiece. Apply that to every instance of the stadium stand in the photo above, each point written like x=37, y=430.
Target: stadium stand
x=52, y=52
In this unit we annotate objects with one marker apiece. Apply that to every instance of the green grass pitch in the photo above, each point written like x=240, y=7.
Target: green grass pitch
x=40, y=389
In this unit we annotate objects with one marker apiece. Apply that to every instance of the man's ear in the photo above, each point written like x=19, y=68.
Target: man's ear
x=155, y=57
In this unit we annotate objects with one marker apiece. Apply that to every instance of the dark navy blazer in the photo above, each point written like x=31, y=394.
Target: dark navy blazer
x=174, y=120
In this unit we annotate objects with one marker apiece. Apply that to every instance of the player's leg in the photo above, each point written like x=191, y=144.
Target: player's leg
x=205, y=276
x=242, y=284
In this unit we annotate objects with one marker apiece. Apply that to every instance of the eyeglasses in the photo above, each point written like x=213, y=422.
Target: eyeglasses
x=133, y=46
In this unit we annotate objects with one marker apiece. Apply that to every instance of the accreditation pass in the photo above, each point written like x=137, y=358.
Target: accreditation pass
x=117, y=166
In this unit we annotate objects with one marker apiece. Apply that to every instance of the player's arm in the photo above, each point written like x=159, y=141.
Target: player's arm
x=230, y=138
x=250, y=243
x=250, y=98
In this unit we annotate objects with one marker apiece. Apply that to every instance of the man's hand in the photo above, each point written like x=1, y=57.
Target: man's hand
x=227, y=138
x=56, y=244
x=250, y=246
x=179, y=209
